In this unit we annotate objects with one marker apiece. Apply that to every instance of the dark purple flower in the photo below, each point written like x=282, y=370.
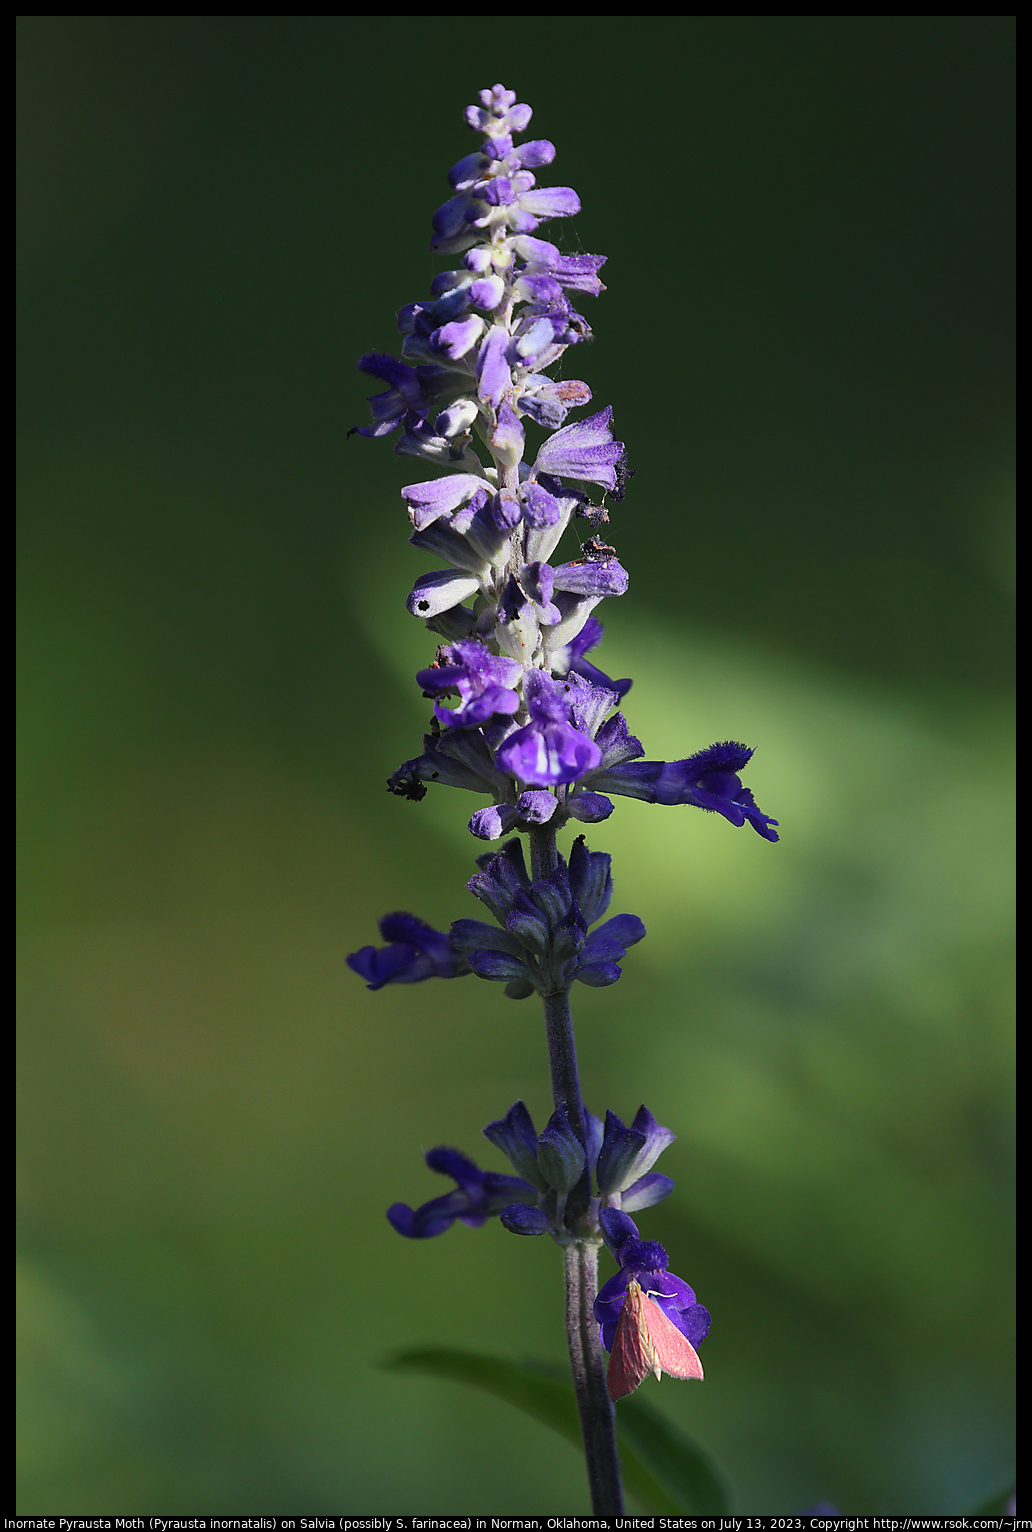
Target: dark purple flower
x=478, y=1194
x=588, y=637
x=627, y=1154
x=544, y=943
x=520, y=1219
x=411, y=390
x=457, y=758
x=484, y=681
x=561, y=1153
x=709, y=780
x=416, y=952
x=515, y=1136
x=644, y=1262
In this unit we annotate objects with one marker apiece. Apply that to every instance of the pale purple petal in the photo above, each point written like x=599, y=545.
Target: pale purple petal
x=455, y=339
x=493, y=377
x=551, y=202
x=584, y=450
x=438, y=591
x=493, y=822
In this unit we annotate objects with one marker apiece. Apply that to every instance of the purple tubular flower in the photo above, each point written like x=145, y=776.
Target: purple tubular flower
x=592, y=577
x=560, y=1153
x=492, y=367
x=644, y=1262
x=457, y=497
x=572, y=271
x=494, y=822
x=589, y=808
x=549, y=402
x=501, y=878
x=515, y=1136
x=708, y=779
x=525, y=1220
x=549, y=202
x=549, y=749
x=439, y=591
x=606, y=948
x=459, y=758
x=416, y=952
x=628, y=1153
x=585, y=450
x=508, y=439
x=457, y=339
x=484, y=682
x=588, y=638
x=544, y=942
x=410, y=390
x=538, y=580
x=478, y=1195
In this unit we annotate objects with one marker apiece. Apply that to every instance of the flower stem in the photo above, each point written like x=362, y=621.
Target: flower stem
x=587, y=1359
x=562, y=1052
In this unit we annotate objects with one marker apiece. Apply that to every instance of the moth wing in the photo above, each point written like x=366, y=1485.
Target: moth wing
x=673, y=1353
x=631, y=1357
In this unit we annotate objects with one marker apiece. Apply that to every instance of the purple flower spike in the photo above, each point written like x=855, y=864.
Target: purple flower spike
x=478, y=1195
x=549, y=749
x=534, y=729
x=416, y=952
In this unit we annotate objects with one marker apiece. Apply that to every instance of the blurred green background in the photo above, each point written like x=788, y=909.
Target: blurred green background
x=806, y=339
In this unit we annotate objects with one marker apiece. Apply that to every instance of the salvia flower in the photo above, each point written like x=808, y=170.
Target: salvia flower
x=478, y=1194
x=709, y=780
x=649, y=1319
x=618, y=1158
x=416, y=952
x=476, y=370
x=522, y=718
x=542, y=940
x=484, y=682
x=549, y=1166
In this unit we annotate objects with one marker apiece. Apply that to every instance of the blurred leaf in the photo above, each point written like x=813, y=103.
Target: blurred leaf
x=689, y=1473
x=996, y=1502
x=662, y=1468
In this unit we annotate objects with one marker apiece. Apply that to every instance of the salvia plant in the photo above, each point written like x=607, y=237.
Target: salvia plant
x=524, y=719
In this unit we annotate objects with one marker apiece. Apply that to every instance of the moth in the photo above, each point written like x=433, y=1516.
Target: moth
x=647, y=1341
